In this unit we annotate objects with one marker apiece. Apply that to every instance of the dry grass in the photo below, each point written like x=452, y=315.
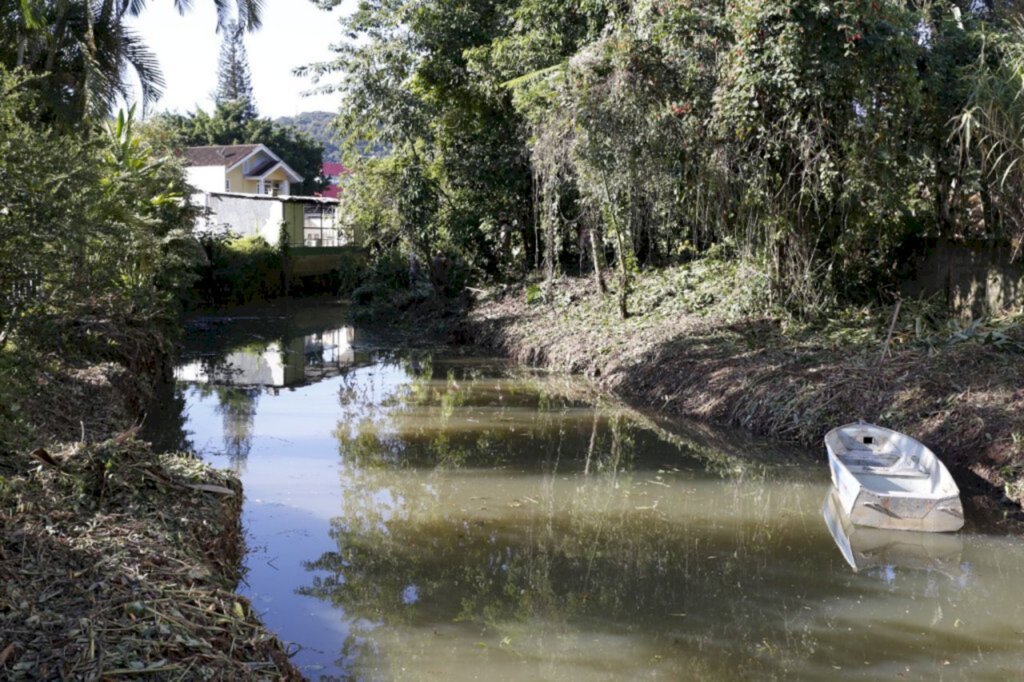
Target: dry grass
x=115, y=562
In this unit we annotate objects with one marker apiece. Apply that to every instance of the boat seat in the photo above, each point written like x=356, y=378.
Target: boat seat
x=869, y=460
x=884, y=465
x=891, y=471
x=868, y=443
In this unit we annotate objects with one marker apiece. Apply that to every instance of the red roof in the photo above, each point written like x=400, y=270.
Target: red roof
x=332, y=170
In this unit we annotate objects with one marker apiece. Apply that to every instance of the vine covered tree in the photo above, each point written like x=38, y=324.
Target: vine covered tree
x=817, y=142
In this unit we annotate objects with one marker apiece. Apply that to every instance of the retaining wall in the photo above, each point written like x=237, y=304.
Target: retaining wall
x=976, y=278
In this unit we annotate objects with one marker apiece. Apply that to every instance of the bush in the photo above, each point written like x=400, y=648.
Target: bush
x=241, y=270
x=352, y=272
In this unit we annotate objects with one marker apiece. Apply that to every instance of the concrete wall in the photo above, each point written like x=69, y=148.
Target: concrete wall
x=247, y=217
x=313, y=261
x=975, y=278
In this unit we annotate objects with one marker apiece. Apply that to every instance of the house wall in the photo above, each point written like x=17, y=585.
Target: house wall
x=237, y=181
x=248, y=217
x=282, y=177
x=206, y=178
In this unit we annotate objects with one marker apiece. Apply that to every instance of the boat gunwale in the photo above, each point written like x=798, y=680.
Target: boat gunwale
x=933, y=495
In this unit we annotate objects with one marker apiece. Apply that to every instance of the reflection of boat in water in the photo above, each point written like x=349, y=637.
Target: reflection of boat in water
x=301, y=360
x=886, y=479
x=865, y=548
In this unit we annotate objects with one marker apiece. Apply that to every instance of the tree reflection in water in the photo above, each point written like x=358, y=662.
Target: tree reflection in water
x=502, y=513
x=495, y=523
x=237, y=407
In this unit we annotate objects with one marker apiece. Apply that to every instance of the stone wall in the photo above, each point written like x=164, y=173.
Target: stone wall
x=976, y=278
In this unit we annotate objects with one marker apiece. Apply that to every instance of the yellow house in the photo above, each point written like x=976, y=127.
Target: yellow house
x=239, y=169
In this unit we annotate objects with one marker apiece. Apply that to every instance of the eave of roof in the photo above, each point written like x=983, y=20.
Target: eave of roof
x=267, y=197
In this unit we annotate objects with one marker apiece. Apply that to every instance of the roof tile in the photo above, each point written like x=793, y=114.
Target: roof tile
x=217, y=155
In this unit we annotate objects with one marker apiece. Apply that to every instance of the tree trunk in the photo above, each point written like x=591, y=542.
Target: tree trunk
x=597, y=252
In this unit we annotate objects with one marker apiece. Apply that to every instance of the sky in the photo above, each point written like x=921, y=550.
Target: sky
x=294, y=33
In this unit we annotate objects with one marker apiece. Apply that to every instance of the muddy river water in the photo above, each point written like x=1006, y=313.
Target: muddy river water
x=416, y=513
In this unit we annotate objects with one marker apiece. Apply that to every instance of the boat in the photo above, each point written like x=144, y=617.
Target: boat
x=886, y=479
x=868, y=549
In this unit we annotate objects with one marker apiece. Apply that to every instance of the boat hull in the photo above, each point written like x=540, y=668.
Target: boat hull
x=879, y=502
x=867, y=548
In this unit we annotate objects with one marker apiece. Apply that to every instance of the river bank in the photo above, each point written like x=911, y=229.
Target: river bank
x=116, y=560
x=687, y=352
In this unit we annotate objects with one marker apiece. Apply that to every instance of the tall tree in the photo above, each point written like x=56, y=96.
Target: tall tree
x=458, y=180
x=234, y=82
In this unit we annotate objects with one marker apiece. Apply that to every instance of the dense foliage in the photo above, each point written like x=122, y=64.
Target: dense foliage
x=90, y=224
x=240, y=270
x=96, y=249
x=820, y=141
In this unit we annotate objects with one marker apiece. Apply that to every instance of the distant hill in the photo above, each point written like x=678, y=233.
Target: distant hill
x=317, y=125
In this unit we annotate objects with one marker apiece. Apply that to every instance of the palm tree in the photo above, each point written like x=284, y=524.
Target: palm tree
x=247, y=13
x=83, y=55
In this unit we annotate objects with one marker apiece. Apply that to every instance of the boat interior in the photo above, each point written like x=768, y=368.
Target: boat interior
x=875, y=452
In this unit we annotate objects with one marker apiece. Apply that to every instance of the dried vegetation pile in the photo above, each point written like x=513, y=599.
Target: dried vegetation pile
x=116, y=562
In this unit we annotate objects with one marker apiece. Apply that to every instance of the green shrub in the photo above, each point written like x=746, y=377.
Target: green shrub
x=534, y=294
x=352, y=271
x=241, y=270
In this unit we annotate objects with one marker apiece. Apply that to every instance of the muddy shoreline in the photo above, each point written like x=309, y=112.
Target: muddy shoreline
x=966, y=401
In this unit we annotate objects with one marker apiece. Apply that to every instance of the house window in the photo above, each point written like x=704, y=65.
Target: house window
x=227, y=185
x=318, y=226
x=272, y=187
